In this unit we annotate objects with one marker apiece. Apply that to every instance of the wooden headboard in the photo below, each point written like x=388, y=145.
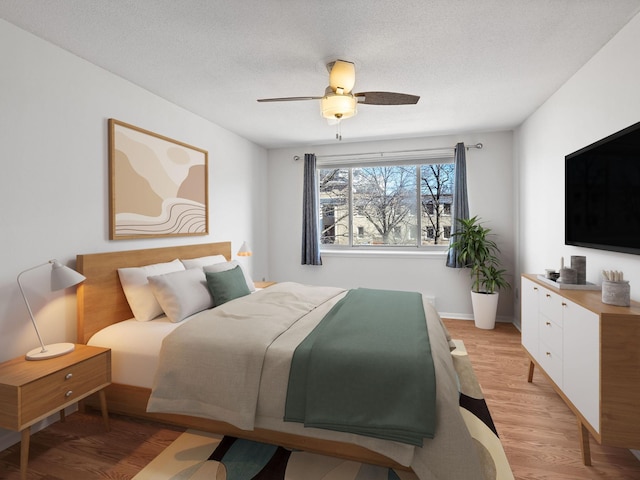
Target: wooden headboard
x=101, y=300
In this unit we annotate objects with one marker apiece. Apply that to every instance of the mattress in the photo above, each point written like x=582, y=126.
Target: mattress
x=135, y=348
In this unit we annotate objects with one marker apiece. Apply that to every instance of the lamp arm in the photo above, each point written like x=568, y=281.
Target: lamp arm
x=24, y=297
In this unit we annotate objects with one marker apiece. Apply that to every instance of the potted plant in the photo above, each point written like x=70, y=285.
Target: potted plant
x=479, y=252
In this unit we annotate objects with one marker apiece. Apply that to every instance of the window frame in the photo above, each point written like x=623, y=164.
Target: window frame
x=351, y=162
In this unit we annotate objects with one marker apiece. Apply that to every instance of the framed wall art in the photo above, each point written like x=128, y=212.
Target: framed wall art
x=157, y=185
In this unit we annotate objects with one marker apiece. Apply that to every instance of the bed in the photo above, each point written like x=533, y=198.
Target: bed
x=103, y=307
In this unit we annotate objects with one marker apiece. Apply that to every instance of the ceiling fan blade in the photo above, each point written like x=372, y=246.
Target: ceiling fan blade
x=288, y=99
x=386, y=98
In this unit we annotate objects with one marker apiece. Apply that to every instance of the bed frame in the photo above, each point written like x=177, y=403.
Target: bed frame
x=101, y=302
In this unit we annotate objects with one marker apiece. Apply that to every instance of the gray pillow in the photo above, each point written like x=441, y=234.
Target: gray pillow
x=181, y=294
x=227, y=285
x=136, y=288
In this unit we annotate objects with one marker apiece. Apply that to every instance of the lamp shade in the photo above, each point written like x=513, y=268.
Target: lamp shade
x=342, y=76
x=64, y=277
x=244, y=250
x=61, y=277
x=336, y=106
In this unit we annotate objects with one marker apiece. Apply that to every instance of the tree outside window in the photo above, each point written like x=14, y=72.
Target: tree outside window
x=436, y=183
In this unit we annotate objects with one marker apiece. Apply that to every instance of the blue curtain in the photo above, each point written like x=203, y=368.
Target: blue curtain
x=310, y=230
x=460, y=201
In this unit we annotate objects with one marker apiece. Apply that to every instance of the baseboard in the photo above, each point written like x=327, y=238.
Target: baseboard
x=456, y=316
x=469, y=316
x=9, y=438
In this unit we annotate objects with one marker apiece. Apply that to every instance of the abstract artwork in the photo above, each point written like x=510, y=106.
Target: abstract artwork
x=157, y=186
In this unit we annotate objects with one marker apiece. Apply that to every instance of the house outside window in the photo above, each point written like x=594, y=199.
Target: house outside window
x=367, y=203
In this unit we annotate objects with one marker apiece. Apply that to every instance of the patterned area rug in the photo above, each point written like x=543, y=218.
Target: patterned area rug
x=198, y=455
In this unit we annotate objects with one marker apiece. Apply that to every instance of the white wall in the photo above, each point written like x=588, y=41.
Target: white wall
x=490, y=186
x=54, y=186
x=600, y=99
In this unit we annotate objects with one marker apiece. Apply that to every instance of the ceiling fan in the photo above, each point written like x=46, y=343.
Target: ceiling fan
x=339, y=103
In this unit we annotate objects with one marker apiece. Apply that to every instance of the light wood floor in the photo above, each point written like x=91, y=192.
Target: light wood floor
x=538, y=431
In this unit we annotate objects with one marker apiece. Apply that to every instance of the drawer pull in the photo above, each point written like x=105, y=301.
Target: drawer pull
x=564, y=304
x=69, y=393
x=548, y=354
x=68, y=376
x=548, y=324
x=548, y=296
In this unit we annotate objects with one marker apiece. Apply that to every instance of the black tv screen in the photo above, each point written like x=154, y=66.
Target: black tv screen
x=602, y=193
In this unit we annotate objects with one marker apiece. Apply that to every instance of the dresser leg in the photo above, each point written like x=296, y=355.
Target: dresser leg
x=584, y=444
x=103, y=408
x=531, y=367
x=24, y=452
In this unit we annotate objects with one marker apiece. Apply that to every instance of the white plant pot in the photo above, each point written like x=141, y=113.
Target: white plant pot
x=485, y=306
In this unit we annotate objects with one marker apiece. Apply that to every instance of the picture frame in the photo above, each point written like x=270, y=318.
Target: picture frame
x=158, y=186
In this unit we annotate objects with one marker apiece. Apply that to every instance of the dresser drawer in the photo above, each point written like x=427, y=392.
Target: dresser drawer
x=551, y=305
x=49, y=393
x=550, y=336
x=551, y=362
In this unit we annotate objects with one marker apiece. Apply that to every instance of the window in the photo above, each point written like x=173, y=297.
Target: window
x=375, y=204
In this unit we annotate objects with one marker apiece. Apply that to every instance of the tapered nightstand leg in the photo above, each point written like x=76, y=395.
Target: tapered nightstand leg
x=103, y=409
x=24, y=452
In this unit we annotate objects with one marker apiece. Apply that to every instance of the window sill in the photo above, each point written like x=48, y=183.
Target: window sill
x=383, y=253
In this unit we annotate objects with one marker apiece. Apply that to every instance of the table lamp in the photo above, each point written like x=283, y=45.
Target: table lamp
x=61, y=277
x=244, y=250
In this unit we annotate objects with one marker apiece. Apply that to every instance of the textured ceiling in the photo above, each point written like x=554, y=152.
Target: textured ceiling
x=478, y=65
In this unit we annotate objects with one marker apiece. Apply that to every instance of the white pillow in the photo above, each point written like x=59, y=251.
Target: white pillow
x=203, y=261
x=223, y=267
x=181, y=294
x=136, y=288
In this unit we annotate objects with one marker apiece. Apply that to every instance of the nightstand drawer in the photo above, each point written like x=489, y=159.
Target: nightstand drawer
x=68, y=385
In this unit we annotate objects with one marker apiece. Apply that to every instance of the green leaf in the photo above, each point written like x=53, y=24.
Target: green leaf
x=478, y=251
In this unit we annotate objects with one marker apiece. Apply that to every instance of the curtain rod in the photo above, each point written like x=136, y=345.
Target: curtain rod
x=477, y=145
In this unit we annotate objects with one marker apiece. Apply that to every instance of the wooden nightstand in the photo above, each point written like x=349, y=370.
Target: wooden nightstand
x=264, y=284
x=30, y=391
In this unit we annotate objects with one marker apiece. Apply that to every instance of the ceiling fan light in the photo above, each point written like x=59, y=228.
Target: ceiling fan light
x=342, y=75
x=338, y=106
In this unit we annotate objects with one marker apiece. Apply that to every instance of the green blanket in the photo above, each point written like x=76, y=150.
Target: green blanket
x=367, y=369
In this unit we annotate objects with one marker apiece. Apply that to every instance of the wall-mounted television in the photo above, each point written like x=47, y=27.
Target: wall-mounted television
x=602, y=193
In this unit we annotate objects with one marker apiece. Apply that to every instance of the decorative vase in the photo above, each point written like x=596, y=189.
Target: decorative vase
x=568, y=275
x=579, y=264
x=485, y=306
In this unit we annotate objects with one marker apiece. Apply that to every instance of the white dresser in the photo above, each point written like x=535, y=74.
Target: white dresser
x=590, y=351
